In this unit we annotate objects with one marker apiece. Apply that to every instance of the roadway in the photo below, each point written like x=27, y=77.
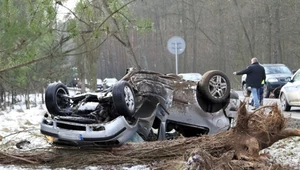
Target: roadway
x=294, y=113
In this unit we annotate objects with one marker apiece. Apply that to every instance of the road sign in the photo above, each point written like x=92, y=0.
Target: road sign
x=176, y=45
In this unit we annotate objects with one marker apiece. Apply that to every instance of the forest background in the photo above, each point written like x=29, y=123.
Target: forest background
x=102, y=38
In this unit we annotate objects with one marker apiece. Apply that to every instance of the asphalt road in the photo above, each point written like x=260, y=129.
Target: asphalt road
x=294, y=113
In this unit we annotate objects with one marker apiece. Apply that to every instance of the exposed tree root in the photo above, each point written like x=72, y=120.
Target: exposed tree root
x=237, y=148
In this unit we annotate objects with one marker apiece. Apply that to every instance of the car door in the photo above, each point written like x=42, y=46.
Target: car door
x=296, y=83
x=292, y=89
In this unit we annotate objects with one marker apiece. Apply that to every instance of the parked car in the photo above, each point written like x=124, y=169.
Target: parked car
x=277, y=75
x=99, y=84
x=109, y=82
x=191, y=76
x=138, y=103
x=290, y=93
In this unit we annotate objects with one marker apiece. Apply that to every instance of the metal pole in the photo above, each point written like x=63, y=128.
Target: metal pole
x=176, y=57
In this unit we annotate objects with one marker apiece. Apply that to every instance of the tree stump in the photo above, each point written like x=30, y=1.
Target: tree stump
x=239, y=148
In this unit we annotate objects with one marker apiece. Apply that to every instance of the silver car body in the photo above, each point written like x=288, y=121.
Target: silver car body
x=186, y=111
x=169, y=99
x=290, y=92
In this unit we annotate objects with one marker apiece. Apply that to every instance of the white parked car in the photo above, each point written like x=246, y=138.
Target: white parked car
x=99, y=84
x=109, y=82
x=290, y=93
x=191, y=76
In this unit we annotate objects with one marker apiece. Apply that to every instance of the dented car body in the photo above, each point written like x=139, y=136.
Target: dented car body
x=138, y=103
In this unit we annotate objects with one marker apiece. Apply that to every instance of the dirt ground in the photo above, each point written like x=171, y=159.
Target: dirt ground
x=293, y=123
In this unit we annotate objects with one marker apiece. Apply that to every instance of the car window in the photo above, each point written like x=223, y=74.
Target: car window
x=277, y=70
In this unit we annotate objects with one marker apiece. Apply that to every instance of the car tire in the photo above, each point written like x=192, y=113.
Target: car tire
x=214, y=86
x=209, y=106
x=284, y=104
x=123, y=98
x=276, y=92
x=56, y=104
x=266, y=92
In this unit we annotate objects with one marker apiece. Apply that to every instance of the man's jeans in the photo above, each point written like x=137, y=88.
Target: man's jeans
x=261, y=95
x=255, y=95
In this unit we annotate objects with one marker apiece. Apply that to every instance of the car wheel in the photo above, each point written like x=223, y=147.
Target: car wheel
x=56, y=102
x=214, y=86
x=123, y=98
x=284, y=104
x=276, y=92
x=266, y=92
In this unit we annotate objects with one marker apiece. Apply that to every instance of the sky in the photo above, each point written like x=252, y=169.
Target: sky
x=62, y=11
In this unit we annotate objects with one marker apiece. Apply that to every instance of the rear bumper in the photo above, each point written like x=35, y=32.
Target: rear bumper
x=115, y=132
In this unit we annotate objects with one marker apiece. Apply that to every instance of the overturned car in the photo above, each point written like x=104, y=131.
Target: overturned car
x=140, y=103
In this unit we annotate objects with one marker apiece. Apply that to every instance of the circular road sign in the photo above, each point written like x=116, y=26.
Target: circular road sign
x=176, y=45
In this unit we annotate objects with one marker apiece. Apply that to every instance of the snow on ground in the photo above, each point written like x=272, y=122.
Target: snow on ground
x=20, y=124
x=286, y=151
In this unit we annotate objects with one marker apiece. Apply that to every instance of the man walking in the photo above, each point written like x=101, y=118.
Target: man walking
x=255, y=75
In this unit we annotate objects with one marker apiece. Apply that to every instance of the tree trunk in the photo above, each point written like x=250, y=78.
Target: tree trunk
x=268, y=58
x=118, y=32
x=277, y=48
x=27, y=100
x=244, y=29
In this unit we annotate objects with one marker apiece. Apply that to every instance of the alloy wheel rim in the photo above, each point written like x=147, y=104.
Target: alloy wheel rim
x=283, y=102
x=217, y=86
x=129, y=99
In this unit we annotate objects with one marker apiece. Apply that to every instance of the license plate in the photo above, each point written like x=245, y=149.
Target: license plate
x=69, y=136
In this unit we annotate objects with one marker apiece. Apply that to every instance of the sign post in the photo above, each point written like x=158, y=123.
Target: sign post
x=176, y=45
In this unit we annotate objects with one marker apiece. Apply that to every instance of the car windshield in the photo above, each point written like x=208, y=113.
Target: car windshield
x=277, y=70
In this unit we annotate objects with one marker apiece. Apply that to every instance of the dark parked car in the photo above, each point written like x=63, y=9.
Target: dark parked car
x=277, y=75
x=138, y=103
x=290, y=93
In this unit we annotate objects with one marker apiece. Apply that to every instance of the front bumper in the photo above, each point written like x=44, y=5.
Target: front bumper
x=275, y=86
x=115, y=132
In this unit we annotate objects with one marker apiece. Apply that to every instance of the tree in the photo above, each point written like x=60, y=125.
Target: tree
x=26, y=35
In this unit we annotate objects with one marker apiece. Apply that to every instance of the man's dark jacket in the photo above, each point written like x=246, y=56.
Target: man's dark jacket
x=255, y=74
